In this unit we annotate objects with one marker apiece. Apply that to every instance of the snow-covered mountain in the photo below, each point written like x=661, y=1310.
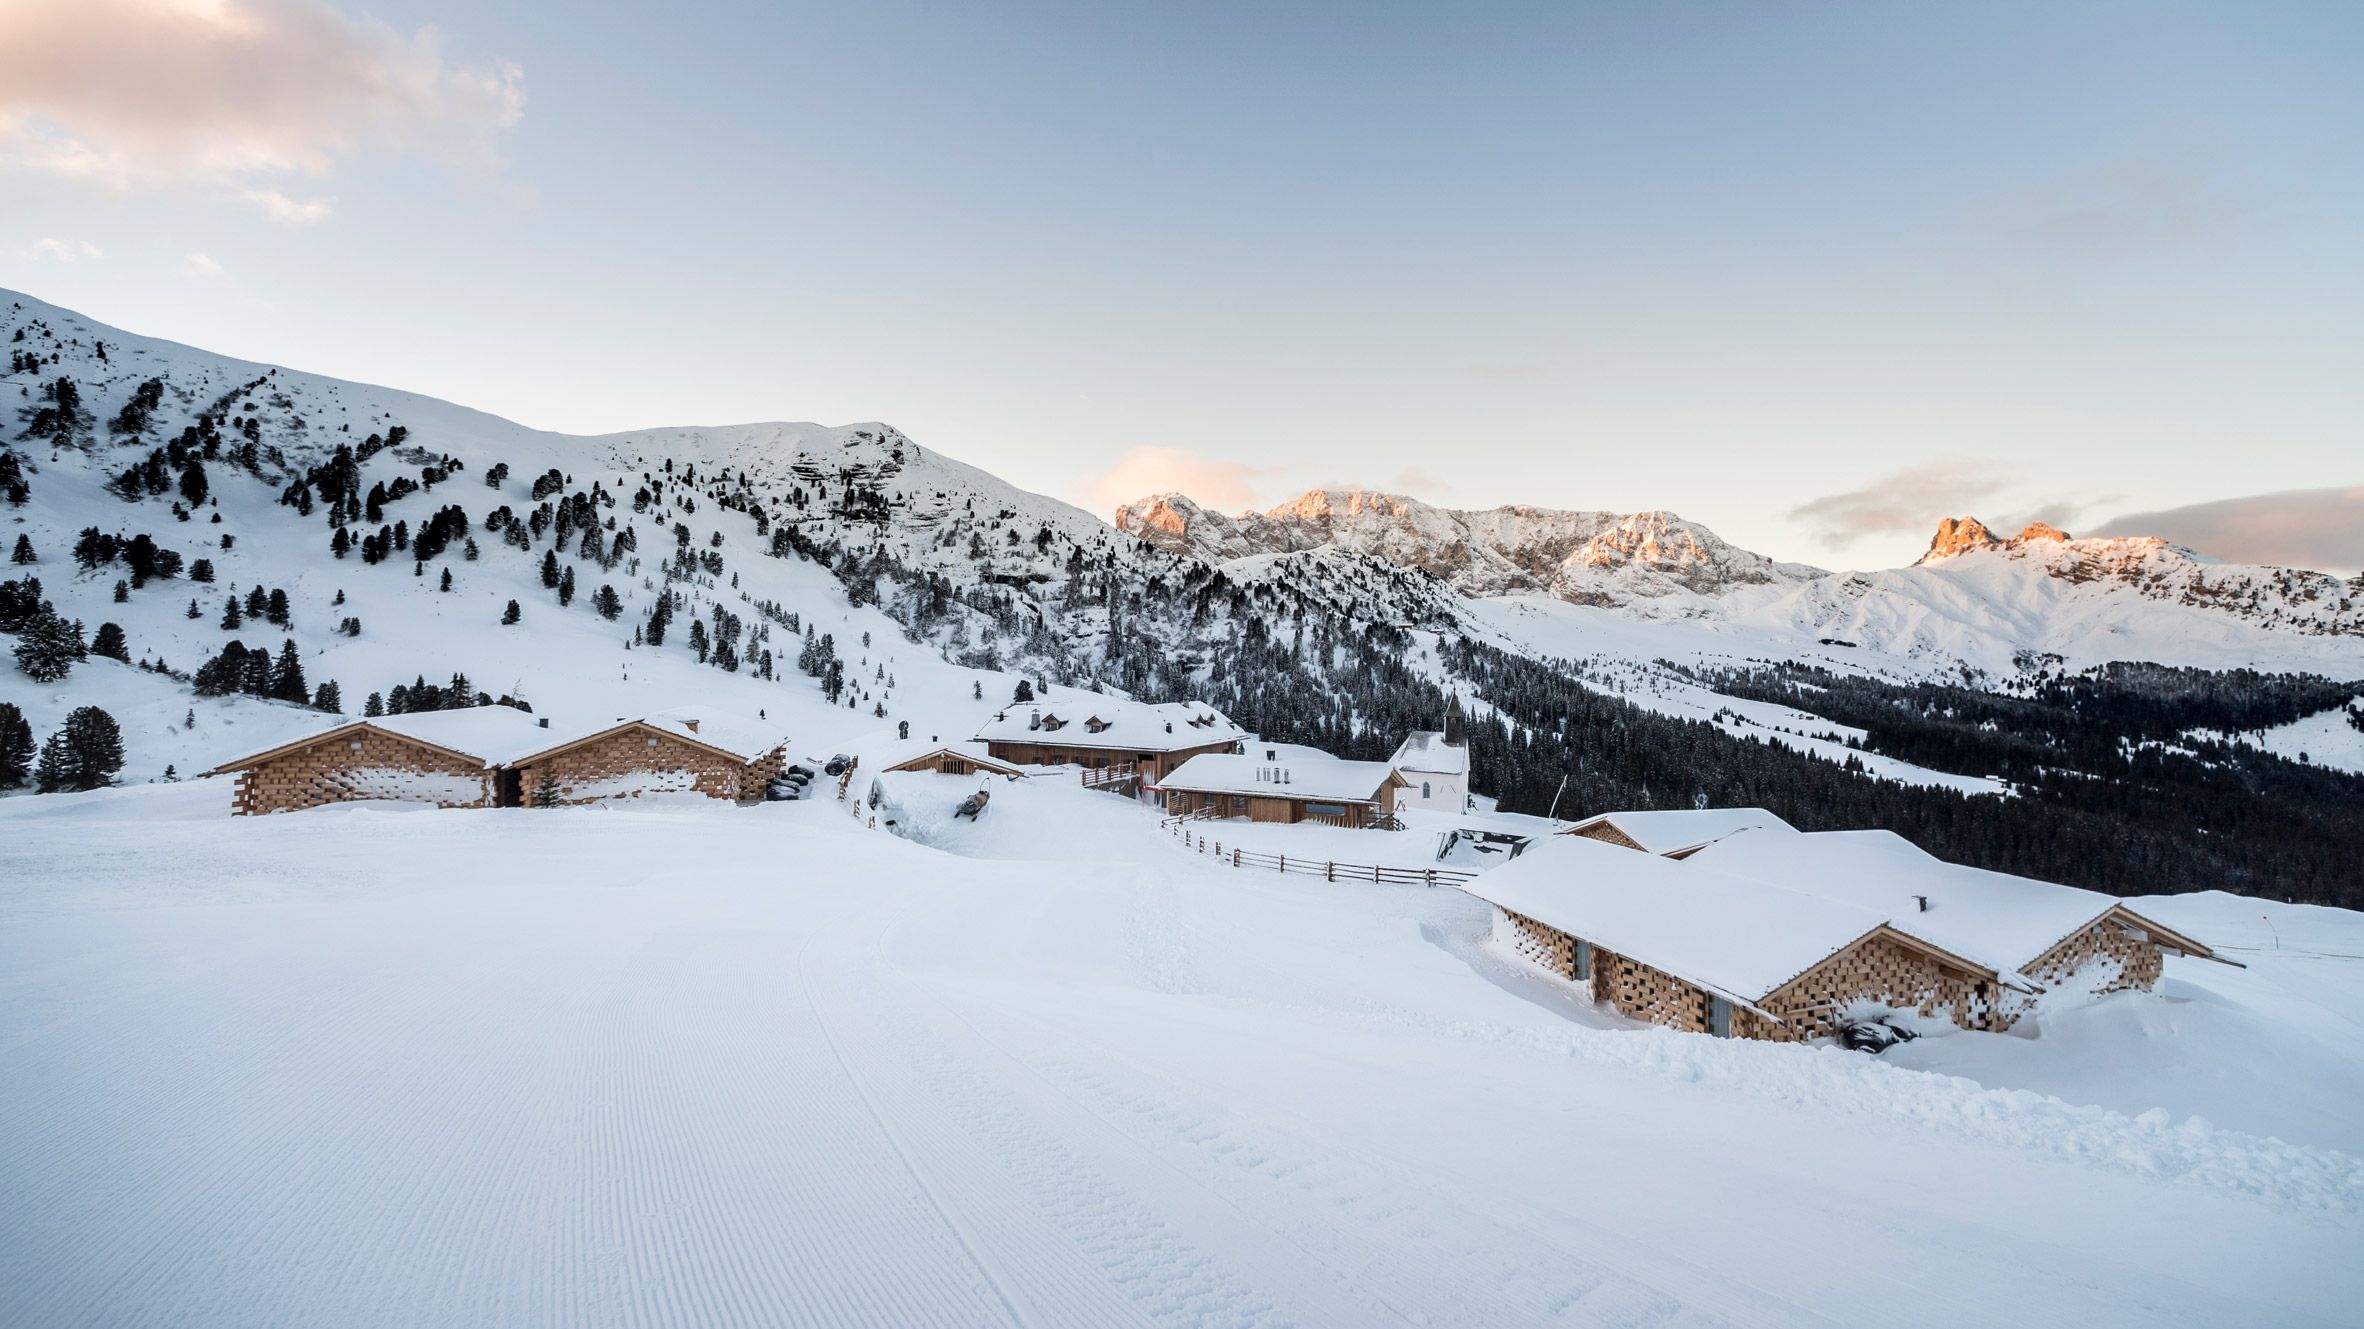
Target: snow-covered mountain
x=932, y=586
x=1597, y=558
x=927, y=588
x=1974, y=598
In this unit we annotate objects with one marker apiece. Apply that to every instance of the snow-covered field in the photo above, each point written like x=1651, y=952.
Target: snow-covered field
x=693, y=1064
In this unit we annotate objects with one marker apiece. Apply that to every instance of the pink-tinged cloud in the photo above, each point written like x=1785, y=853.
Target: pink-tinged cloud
x=1224, y=486
x=228, y=94
x=1906, y=502
x=2319, y=529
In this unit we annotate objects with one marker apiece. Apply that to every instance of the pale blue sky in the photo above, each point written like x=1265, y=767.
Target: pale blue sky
x=1814, y=275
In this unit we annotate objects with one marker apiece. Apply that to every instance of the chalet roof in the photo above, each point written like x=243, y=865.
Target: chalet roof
x=1326, y=779
x=1425, y=751
x=1105, y=722
x=902, y=753
x=491, y=735
x=1676, y=829
x=1732, y=936
x=505, y=736
x=1998, y=919
x=747, y=737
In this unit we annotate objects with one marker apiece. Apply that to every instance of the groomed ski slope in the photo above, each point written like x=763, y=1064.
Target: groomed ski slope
x=696, y=1065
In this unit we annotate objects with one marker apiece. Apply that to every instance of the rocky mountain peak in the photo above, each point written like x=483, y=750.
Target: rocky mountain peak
x=1958, y=535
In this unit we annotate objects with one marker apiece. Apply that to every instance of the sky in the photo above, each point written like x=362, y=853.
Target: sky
x=1813, y=275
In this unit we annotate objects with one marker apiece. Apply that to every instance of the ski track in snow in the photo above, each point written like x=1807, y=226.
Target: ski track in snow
x=673, y=1067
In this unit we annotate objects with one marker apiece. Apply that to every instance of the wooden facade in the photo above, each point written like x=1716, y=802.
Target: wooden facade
x=634, y=759
x=951, y=761
x=1280, y=809
x=360, y=762
x=1049, y=751
x=1882, y=966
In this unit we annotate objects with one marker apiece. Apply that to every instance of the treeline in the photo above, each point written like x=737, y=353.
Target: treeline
x=2130, y=817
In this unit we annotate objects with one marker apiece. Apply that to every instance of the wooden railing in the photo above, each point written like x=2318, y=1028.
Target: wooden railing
x=1196, y=842
x=1111, y=777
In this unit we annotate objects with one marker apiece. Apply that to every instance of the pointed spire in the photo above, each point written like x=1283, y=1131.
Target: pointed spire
x=1454, y=735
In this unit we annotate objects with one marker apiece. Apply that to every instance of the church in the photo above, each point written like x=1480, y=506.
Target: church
x=1434, y=765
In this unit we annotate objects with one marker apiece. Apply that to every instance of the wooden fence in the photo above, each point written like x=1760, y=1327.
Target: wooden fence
x=1198, y=842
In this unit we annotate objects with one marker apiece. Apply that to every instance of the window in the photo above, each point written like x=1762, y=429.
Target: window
x=1719, y=1017
x=1424, y=790
x=1325, y=809
x=1583, y=958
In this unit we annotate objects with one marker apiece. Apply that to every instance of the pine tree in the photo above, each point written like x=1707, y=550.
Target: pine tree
x=566, y=588
x=110, y=643
x=16, y=747
x=374, y=707
x=446, y=586
x=697, y=639
x=85, y=753
x=48, y=646
x=275, y=610
x=122, y=592
x=511, y=614
x=24, y=550
x=607, y=602
x=546, y=791
x=194, y=611
x=1025, y=692
x=232, y=620
x=550, y=569
x=287, y=679
x=329, y=698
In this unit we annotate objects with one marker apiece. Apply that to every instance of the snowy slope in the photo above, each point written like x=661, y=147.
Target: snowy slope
x=719, y=1066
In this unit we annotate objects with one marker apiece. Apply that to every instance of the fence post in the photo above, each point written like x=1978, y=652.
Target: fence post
x=1332, y=873
x=1284, y=862
x=1235, y=857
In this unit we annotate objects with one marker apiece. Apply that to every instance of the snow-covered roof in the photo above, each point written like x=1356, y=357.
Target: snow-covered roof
x=1103, y=722
x=493, y=735
x=747, y=737
x=1327, y=779
x=1676, y=829
x=2000, y=920
x=888, y=756
x=1426, y=751
x=1734, y=936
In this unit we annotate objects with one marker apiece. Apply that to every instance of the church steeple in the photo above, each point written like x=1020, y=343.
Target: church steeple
x=1454, y=736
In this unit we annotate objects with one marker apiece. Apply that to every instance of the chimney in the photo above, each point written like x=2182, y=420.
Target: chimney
x=1923, y=902
x=544, y=722
x=1034, y=721
x=690, y=725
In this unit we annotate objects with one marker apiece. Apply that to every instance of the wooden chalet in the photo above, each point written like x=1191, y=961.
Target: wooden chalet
x=1143, y=739
x=1311, y=787
x=1697, y=950
x=498, y=756
x=946, y=759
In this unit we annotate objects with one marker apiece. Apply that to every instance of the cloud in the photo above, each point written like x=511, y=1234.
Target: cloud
x=288, y=211
x=202, y=266
x=48, y=250
x=1221, y=485
x=227, y=95
x=1909, y=501
x=2300, y=528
